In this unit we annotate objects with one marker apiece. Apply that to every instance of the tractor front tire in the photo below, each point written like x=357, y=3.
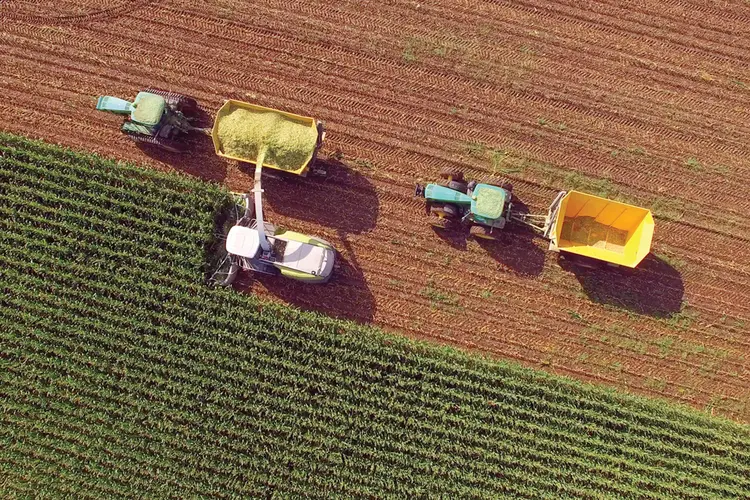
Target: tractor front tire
x=452, y=174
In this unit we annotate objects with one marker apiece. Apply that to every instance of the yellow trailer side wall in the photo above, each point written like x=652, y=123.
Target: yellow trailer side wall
x=231, y=105
x=606, y=225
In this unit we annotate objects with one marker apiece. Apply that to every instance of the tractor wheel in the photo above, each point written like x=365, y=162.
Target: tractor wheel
x=461, y=187
x=505, y=185
x=182, y=103
x=166, y=144
x=446, y=211
x=483, y=232
x=452, y=174
x=438, y=223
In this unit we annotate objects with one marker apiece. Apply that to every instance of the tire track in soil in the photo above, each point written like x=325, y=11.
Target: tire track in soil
x=400, y=215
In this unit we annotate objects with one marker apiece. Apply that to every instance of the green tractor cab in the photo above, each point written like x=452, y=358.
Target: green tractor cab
x=486, y=208
x=154, y=117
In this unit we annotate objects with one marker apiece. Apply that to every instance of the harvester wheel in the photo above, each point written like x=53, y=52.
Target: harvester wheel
x=461, y=187
x=483, y=232
x=452, y=174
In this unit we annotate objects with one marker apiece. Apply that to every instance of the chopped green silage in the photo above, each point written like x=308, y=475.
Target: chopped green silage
x=289, y=144
x=148, y=109
x=490, y=203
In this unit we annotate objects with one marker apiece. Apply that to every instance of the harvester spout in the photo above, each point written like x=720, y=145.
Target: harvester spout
x=257, y=193
x=114, y=105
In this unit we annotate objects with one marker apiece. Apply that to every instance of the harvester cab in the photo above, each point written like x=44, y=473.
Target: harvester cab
x=485, y=208
x=154, y=117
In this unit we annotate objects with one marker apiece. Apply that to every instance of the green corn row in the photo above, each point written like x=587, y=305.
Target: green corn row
x=123, y=375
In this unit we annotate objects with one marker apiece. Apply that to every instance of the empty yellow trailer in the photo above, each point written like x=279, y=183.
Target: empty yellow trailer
x=607, y=230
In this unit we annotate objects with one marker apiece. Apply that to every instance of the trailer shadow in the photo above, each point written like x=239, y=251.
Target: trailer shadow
x=198, y=160
x=654, y=288
x=345, y=296
x=344, y=200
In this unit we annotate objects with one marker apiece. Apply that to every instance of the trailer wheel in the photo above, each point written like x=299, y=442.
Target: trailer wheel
x=582, y=262
x=452, y=174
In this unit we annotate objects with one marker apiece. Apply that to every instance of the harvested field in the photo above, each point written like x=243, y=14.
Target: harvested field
x=646, y=103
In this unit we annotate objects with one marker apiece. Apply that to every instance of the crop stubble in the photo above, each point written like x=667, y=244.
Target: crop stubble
x=564, y=85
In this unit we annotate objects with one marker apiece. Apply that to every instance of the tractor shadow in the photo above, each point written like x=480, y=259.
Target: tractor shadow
x=654, y=288
x=345, y=296
x=198, y=160
x=455, y=235
x=517, y=250
x=345, y=200
x=517, y=247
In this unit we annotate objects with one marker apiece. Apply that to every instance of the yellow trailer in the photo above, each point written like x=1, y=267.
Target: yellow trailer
x=602, y=229
x=241, y=130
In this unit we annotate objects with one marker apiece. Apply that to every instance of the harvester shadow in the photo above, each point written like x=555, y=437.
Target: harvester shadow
x=654, y=288
x=345, y=296
x=199, y=159
x=345, y=200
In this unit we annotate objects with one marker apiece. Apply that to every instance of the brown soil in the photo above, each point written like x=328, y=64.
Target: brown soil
x=647, y=102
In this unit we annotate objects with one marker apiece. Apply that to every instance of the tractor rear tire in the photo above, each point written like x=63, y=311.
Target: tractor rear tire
x=505, y=185
x=446, y=211
x=166, y=144
x=182, y=103
x=452, y=174
x=483, y=232
x=461, y=187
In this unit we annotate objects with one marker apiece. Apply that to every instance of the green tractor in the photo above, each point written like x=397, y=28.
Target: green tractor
x=155, y=117
x=485, y=208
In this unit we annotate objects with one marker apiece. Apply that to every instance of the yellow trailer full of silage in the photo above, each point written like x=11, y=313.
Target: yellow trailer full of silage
x=241, y=130
x=607, y=230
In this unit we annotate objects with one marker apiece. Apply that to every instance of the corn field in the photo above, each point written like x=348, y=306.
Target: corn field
x=122, y=374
